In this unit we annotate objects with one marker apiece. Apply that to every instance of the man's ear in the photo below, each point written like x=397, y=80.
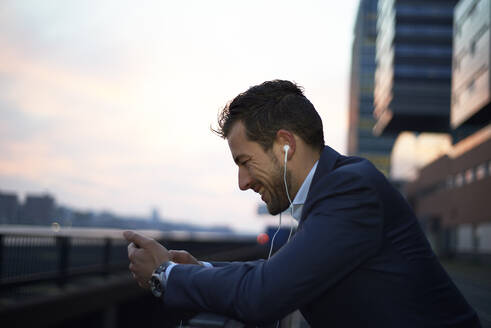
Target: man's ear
x=285, y=137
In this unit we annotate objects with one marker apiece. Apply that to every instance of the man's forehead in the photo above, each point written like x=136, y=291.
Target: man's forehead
x=237, y=135
x=240, y=146
x=236, y=139
x=237, y=129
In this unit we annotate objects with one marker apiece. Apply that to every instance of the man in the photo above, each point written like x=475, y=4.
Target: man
x=359, y=257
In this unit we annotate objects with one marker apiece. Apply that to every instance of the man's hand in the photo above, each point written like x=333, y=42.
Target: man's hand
x=145, y=256
x=183, y=257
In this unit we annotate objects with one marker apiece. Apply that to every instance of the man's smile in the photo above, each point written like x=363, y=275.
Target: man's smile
x=261, y=191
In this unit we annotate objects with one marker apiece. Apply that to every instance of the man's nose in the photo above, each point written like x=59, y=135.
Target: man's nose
x=244, y=179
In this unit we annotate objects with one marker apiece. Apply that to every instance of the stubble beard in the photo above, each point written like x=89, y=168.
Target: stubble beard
x=278, y=199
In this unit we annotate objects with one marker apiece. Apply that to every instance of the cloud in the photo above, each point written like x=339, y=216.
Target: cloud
x=108, y=104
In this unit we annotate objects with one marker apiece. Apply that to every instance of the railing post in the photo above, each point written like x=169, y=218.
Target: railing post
x=1, y=257
x=63, y=245
x=107, y=256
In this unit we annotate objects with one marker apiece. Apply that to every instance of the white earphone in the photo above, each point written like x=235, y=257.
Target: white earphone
x=286, y=148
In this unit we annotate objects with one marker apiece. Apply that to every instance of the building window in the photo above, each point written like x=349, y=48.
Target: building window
x=427, y=30
x=471, y=86
x=455, y=100
x=426, y=10
x=459, y=180
x=456, y=63
x=481, y=171
x=469, y=176
x=458, y=30
x=449, y=182
x=428, y=71
x=423, y=50
x=477, y=39
x=472, y=48
x=473, y=9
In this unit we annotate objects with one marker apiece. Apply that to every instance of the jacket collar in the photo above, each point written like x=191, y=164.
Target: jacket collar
x=326, y=164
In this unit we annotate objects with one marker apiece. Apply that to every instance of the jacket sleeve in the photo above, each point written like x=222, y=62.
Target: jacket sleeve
x=343, y=228
x=219, y=264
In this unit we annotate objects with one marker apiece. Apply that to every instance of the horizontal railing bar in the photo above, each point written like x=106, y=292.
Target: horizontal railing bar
x=117, y=234
x=54, y=275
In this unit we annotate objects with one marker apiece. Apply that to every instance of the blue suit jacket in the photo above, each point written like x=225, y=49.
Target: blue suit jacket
x=359, y=258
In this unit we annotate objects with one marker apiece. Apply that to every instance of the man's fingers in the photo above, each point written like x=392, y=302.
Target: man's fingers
x=183, y=257
x=131, y=251
x=142, y=283
x=145, y=255
x=175, y=255
x=136, y=238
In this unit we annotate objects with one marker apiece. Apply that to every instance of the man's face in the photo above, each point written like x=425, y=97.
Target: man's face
x=258, y=170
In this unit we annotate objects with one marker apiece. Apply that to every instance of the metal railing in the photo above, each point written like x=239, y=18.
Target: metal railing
x=28, y=256
x=33, y=260
x=28, y=259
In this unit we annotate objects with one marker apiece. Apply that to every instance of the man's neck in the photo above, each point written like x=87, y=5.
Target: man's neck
x=302, y=168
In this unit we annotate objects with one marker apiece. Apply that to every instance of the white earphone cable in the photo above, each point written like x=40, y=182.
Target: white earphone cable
x=272, y=240
x=286, y=148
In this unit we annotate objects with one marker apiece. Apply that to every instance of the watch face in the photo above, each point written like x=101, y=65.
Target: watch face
x=156, y=285
x=156, y=282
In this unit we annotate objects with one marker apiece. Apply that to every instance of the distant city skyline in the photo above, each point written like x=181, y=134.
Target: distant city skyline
x=107, y=105
x=41, y=210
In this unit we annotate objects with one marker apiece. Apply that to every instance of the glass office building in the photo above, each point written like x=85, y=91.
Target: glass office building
x=471, y=81
x=361, y=140
x=414, y=66
x=451, y=194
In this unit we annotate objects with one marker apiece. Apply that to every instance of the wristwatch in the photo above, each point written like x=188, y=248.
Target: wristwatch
x=158, y=280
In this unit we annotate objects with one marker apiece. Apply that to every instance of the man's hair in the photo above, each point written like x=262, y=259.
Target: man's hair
x=268, y=107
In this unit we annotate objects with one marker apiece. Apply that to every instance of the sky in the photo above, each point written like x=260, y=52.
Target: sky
x=107, y=105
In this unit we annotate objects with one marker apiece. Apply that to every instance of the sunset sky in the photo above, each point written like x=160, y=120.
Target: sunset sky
x=108, y=104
